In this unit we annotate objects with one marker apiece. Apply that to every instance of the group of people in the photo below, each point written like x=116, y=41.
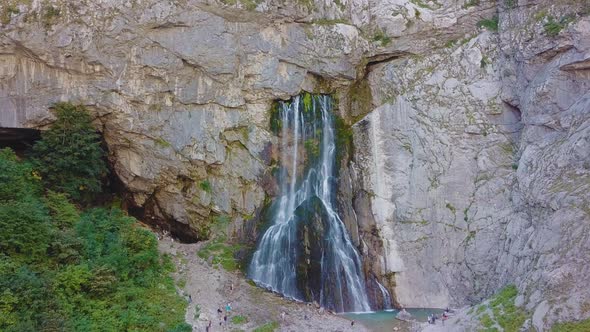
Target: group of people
x=220, y=314
x=445, y=315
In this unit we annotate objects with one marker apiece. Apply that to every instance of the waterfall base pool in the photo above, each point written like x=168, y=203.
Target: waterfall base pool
x=381, y=321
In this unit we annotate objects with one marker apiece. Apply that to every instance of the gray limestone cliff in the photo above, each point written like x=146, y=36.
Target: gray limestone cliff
x=470, y=160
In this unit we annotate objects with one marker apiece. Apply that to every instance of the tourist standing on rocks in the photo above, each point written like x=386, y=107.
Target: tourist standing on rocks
x=228, y=307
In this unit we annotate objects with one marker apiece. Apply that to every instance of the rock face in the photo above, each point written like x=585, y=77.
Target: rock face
x=471, y=161
x=476, y=157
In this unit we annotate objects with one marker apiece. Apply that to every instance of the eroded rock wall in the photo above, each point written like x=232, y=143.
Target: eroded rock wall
x=476, y=159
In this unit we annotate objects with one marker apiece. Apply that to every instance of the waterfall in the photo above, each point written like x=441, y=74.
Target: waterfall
x=306, y=254
x=386, y=296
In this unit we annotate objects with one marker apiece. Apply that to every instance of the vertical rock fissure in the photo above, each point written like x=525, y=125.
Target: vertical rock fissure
x=307, y=254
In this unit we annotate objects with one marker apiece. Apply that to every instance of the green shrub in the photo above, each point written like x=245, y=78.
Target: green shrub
x=580, y=326
x=486, y=321
x=490, y=24
x=222, y=253
x=553, y=27
x=205, y=185
x=25, y=227
x=69, y=156
x=471, y=3
x=17, y=179
x=63, y=213
x=268, y=327
x=50, y=15
x=6, y=14
x=62, y=270
x=239, y=320
x=162, y=143
x=510, y=3
x=505, y=313
x=382, y=38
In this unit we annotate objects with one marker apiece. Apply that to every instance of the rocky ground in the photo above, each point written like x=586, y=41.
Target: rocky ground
x=459, y=322
x=210, y=289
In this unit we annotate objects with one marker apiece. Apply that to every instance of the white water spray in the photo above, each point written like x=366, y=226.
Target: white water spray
x=303, y=179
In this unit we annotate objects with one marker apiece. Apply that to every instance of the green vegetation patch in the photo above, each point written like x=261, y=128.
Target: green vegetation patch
x=69, y=157
x=504, y=313
x=422, y=4
x=205, y=186
x=276, y=124
x=325, y=21
x=222, y=254
x=554, y=27
x=312, y=147
x=238, y=320
x=268, y=327
x=380, y=37
x=471, y=3
x=581, y=326
x=510, y=3
x=490, y=24
x=344, y=138
x=50, y=15
x=162, y=143
x=451, y=208
x=246, y=4
x=7, y=13
x=63, y=269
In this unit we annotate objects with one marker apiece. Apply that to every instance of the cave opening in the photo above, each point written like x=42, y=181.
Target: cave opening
x=18, y=139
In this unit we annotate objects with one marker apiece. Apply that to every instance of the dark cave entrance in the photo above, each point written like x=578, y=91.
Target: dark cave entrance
x=18, y=139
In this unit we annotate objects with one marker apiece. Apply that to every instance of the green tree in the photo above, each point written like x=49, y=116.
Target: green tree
x=69, y=157
x=17, y=180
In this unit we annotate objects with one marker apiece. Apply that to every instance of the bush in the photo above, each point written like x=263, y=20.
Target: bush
x=69, y=157
x=24, y=229
x=508, y=316
x=490, y=24
x=268, y=327
x=553, y=27
x=63, y=270
x=63, y=213
x=239, y=320
x=580, y=326
x=17, y=180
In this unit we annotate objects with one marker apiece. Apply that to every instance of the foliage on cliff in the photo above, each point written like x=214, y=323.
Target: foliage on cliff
x=62, y=269
x=69, y=157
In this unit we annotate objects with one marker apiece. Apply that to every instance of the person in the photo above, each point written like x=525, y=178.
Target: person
x=219, y=311
x=208, y=328
x=228, y=307
x=351, y=323
x=429, y=319
x=283, y=316
x=444, y=317
x=225, y=319
x=190, y=299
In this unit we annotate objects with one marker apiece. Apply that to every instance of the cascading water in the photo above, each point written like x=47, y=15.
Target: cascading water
x=385, y=295
x=306, y=253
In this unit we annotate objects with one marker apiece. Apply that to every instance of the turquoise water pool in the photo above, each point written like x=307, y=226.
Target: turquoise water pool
x=381, y=321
